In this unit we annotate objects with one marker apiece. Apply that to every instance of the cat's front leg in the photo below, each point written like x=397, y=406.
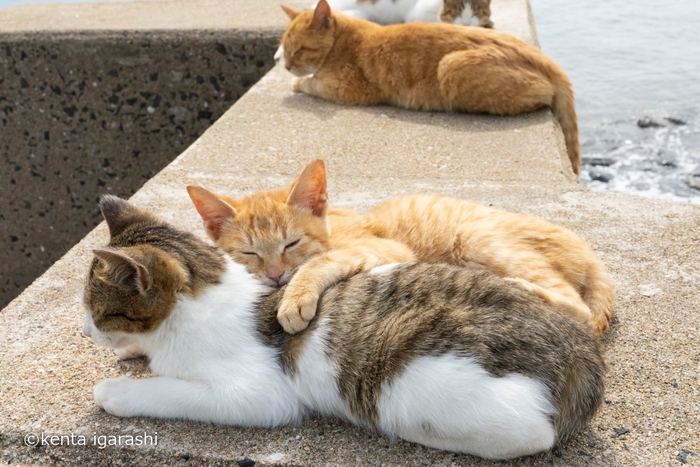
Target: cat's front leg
x=298, y=305
x=164, y=397
x=311, y=85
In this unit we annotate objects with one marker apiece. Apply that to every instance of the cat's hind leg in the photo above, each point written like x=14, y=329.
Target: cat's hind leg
x=347, y=89
x=481, y=80
x=481, y=10
x=524, y=267
x=565, y=298
x=450, y=402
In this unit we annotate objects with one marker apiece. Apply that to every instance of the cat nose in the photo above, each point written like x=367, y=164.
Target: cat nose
x=86, y=331
x=287, y=65
x=275, y=276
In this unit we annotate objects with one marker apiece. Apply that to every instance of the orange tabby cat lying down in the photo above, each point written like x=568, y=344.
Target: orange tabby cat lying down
x=292, y=231
x=425, y=66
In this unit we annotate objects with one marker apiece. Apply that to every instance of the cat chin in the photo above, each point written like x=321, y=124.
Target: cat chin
x=110, y=340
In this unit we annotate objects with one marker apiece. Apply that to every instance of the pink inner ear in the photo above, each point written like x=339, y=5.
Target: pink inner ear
x=124, y=269
x=215, y=213
x=322, y=15
x=310, y=190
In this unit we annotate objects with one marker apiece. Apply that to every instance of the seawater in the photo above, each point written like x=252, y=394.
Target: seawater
x=628, y=60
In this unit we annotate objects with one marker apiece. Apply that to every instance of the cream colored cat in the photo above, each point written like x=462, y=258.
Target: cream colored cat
x=289, y=232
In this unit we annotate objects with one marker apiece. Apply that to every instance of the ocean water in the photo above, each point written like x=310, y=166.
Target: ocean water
x=629, y=60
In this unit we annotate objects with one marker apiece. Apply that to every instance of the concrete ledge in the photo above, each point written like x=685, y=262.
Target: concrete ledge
x=97, y=98
x=651, y=248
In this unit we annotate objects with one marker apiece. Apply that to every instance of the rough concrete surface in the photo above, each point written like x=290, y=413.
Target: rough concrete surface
x=83, y=113
x=651, y=413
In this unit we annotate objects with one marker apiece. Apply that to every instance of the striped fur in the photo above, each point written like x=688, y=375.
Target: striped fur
x=542, y=257
x=450, y=357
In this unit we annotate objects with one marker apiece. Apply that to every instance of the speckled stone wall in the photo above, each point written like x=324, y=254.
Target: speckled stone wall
x=86, y=114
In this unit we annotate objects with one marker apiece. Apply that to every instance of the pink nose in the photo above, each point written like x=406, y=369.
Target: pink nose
x=86, y=331
x=287, y=65
x=275, y=276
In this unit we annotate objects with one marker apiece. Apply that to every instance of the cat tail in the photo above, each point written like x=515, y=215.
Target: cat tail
x=599, y=295
x=564, y=111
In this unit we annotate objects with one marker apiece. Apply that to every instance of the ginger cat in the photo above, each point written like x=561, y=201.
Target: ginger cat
x=278, y=233
x=451, y=358
x=425, y=66
x=465, y=12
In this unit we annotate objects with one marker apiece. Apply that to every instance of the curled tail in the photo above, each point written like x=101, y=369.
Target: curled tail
x=599, y=295
x=565, y=112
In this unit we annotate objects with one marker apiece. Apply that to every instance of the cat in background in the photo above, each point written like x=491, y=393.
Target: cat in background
x=425, y=66
x=451, y=358
x=292, y=231
x=464, y=12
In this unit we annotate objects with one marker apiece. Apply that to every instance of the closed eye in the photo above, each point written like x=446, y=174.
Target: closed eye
x=290, y=245
x=249, y=253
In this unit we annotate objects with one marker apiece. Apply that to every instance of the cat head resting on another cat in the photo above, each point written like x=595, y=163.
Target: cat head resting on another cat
x=271, y=232
x=308, y=38
x=133, y=283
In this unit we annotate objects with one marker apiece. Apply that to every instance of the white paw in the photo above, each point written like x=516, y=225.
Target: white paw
x=297, y=84
x=117, y=396
x=127, y=353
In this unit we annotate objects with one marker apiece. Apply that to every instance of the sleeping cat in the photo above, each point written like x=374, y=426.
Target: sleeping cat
x=281, y=232
x=425, y=66
x=452, y=358
x=465, y=12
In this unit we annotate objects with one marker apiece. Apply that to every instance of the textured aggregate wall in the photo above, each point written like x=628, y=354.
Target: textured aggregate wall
x=82, y=115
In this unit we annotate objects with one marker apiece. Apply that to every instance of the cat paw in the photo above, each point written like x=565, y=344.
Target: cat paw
x=294, y=314
x=116, y=396
x=297, y=84
x=127, y=353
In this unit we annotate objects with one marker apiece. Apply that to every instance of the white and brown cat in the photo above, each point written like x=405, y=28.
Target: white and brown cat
x=425, y=66
x=454, y=358
x=292, y=233
x=464, y=12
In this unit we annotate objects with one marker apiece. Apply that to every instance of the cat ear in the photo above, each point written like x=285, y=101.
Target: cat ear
x=310, y=190
x=123, y=270
x=291, y=12
x=322, y=16
x=117, y=213
x=216, y=213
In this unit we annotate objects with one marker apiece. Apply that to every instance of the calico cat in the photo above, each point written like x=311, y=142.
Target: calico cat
x=281, y=232
x=425, y=66
x=452, y=358
x=465, y=12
